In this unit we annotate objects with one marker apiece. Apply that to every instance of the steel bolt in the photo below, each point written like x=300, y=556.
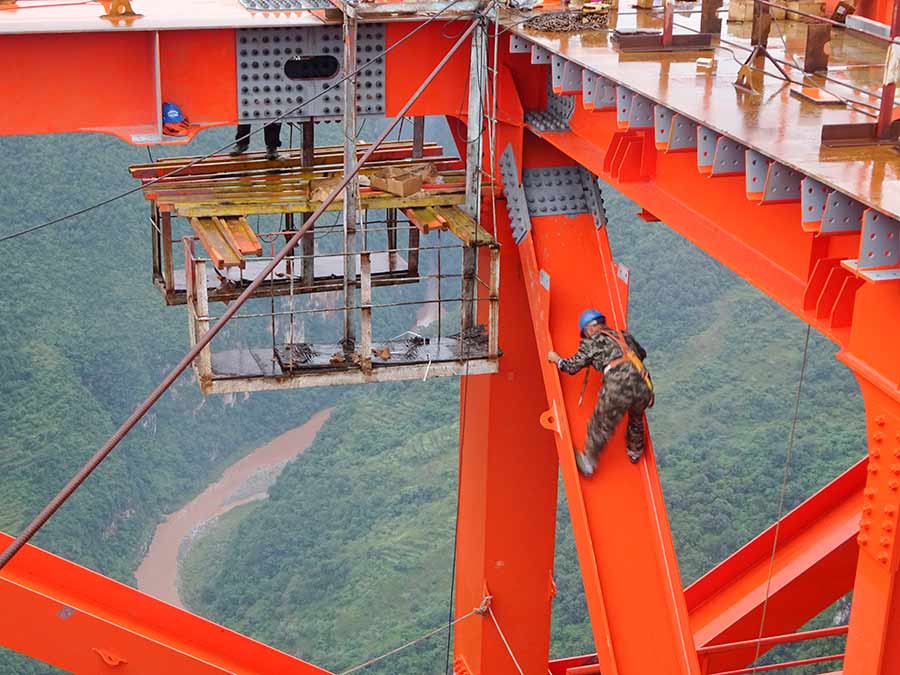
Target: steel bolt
x=870, y=493
x=863, y=540
x=878, y=437
x=897, y=452
x=883, y=558
x=873, y=469
x=885, y=542
x=890, y=509
x=867, y=508
x=894, y=485
x=887, y=526
x=875, y=453
x=880, y=420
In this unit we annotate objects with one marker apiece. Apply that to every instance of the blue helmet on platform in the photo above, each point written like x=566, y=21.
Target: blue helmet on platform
x=172, y=113
x=589, y=316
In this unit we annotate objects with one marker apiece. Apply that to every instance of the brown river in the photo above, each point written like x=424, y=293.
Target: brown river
x=244, y=481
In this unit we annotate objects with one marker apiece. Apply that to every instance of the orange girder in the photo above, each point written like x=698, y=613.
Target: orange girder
x=82, y=622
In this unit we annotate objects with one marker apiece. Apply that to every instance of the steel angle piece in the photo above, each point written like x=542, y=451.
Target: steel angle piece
x=683, y=135
x=879, y=245
x=841, y=214
x=782, y=184
x=813, y=196
x=728, y=159
x=662, y=126
x=756, y=166
x=623, y=105
x=519, y=45
x=706, y=148
x=593, y=197
x=517, y=207
x=539, y=55
x=640, y=114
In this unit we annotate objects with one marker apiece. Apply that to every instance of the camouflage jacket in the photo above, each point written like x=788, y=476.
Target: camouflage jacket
x=599, y=351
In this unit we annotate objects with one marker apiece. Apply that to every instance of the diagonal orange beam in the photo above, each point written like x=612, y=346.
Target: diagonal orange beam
x=83, y=622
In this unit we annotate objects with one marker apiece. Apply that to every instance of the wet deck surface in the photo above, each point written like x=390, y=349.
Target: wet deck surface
x=774, y=122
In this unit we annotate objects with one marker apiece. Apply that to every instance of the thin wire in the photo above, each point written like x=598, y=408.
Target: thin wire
x=397, y=650
x=505, y=643
x=781, y=499
x=178, y=170
x=462, y=437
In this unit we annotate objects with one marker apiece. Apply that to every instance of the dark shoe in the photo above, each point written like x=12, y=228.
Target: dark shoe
x=272, y=154
x=239, y=149
x=585, y=464
x=635, y=457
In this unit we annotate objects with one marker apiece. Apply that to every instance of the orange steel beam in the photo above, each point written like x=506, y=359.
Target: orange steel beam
x=622, y=534
x=83, y=622
x=507, y=490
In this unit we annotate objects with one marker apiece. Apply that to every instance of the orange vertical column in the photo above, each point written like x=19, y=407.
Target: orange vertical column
x=873, y=644
x=508, y=488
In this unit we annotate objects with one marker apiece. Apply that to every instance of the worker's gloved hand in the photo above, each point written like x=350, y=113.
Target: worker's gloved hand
x=553, y=357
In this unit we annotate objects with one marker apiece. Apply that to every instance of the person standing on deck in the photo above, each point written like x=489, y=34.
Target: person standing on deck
x=627, y=387
x=272, y=133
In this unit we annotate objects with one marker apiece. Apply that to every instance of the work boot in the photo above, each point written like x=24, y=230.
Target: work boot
x=585, y=464
x=272, y=154
x=240, y=148
x=635, y=457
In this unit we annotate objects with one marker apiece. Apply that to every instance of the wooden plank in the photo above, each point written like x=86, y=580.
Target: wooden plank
x=464, y=226
x=248, y=242
x=218, y=248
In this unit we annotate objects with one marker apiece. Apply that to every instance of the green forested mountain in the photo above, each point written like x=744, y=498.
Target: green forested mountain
x=351, y=553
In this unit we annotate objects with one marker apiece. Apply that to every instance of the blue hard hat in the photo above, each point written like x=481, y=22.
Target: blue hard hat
x=172, y=113
x=588, y=316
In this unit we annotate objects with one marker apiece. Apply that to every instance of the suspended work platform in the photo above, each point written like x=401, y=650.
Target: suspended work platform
x=310, y=322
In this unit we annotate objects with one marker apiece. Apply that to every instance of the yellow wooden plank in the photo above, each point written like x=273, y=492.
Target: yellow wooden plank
x=219, y=250
x=248, y=242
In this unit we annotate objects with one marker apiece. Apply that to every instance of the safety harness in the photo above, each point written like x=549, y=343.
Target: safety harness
x=628, y=356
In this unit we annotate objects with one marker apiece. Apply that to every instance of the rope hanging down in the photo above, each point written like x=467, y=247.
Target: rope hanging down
x=784, y=481
x=481, y=609
x=178, y=170
x=82, y=474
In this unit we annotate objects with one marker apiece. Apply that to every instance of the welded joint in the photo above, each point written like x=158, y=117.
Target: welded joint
x=879, y=245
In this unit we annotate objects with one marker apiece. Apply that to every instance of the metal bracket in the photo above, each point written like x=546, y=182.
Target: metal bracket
x=640, y=113
x=728, y=159
x=556, y=116
x=880, y=241
x=782, y=184
x=519, y=45
x=539, y=55
x=598, y=93
x=623, y=105
x=683, y=135
x=593, y=197
x=756, y=166
x=706, y=148
x=566, y=76
x=662, y=125
x=842, y=214
x=519, y=218
x=813, y=196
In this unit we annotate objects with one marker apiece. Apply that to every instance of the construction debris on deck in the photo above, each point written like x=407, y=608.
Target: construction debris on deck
x=230, y=215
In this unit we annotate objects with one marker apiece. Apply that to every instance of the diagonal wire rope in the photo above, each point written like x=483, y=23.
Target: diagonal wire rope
x=781, y=499
x=180, y=169
x=509, y=650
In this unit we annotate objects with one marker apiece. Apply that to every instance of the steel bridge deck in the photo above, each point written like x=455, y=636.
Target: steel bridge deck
x=775, y=123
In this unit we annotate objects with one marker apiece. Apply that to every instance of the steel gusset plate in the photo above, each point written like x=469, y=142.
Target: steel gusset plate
x=813, y=196
x=782, y=184
x=683, y=135
x=728, y=159
x=539, y=55
x=566, y=76
x=841, y=214
x=597, y=92
x=706, y=148
x=880, y=241
x=556, y=116
x=662, y=125
x=756, y=166
x=519, y=45
x=517, y=207
x=623, y=105
x=640, y=113
x=593, y=197
x=554, y=191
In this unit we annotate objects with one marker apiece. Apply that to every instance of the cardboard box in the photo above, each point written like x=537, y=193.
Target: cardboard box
x=401, y=180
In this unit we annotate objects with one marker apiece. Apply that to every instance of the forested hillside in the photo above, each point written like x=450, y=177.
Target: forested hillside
x=351, y=553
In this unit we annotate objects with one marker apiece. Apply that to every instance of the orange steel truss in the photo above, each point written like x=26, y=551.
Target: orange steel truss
x=843, y=538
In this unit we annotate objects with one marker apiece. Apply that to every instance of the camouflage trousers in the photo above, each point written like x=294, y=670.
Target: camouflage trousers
x=618, y=396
